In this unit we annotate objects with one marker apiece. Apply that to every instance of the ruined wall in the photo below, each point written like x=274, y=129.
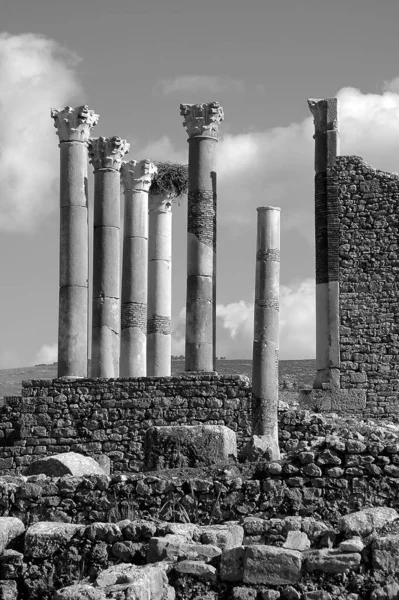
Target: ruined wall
x=99, y=416
x=368, y=202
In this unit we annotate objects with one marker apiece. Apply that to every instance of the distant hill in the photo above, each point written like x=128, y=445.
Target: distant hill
x=300, y=371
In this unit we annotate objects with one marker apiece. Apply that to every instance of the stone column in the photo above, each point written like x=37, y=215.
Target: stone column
x=159, y=338
x=106, y=157
x=202, y=122
x=136, y=180
x=73, y=128
x=325, y=113
x=266, y=330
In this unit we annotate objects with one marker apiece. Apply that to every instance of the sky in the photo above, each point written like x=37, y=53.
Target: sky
x=133, y=63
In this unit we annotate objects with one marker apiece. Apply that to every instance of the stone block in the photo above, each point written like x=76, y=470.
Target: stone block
x=385, y=554
x=10, y=528
x=147, y=581
x=79, y=592
x=332, y=561
x=232, y=564
x=346, y=401
x=272, y=566
x=228, y=535
x=8, y=590
x=188, y=446
x=196, y=568
x=45, y=538
x=297, y=540
x=366, y=521
x=67, y=463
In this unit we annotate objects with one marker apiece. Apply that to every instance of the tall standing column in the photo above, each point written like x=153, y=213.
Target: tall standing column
x=73, y=128
x=266, y=329
x=325, y=113
x=106, y=157
x=202, y=122
x=136, y=180
x=159, y=338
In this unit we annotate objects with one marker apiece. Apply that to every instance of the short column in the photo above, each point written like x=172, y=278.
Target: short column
x=202, y=122
x=106, y=157
x=73, y=128
x=136, y=180
x=159, y=334
x=266, y=330
x=325, y=114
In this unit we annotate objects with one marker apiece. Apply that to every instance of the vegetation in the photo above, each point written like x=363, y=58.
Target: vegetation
x=171, y=179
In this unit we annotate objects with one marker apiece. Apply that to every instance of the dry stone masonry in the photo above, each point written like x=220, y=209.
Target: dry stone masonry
x=202, y=123
x=73, y=129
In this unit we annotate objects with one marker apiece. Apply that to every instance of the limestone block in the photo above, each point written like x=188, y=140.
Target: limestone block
x=366, y=521
x=67, y=463
x=340, y=401
x=45, y=538
x=385, y=554
x=228, y=535
x=272, y=566
x=197, y=569
x=174, y=547
x=297, y=540
x=191, y=446
x=141, y=582
x=79, y=592
x=232, y=564
x=8, y=590
x=10, y=528
x=108, y=532
x=354, y=544
x=332, y=561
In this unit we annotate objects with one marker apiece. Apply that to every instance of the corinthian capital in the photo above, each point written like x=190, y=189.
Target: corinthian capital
x=202, y=119
x=137, y=175
x=107, y=152
x=325, y=114
x=74, y=124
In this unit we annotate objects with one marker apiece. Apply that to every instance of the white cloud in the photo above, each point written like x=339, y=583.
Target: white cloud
x=235, y=325
x=47, y=354
x=36, y=74
x=194, y=83
x=162, y=149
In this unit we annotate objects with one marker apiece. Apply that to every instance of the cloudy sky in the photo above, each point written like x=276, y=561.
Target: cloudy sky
x=133, y=63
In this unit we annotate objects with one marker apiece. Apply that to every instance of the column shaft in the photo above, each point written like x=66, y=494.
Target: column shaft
x=74, y=261
x=266, y=326
x=159, y=338
x=106, y=265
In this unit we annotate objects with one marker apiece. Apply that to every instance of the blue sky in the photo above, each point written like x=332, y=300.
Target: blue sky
x=134, y=63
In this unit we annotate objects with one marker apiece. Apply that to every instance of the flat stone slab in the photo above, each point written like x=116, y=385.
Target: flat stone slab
x=188, y=446
x=332, y=561
x=350, y=401
x=272, y=566
x=45, y=538
x=364, y=522
x=67, y=463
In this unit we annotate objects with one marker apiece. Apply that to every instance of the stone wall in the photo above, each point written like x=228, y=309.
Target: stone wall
x=368, y=202
x=98, y=416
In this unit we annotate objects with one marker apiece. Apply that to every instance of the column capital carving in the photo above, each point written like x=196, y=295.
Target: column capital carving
x=107, y=152
x=202, y=119
x=137, y=175
x=325, y=114
x=74, y=124
x=160, y=203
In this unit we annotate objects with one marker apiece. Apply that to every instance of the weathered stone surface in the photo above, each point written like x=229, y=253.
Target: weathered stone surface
x=109, y=532
x=316, y=595
x=232, y=564
x=43, y=539
x=142, y=582
x=366, y=521
x=272, y=566
x=270, y=595
x=385, y=554
x=387, y=592
x=297, y=540
x=332, y=561
x=354, y=544
x=188, y=446
x=10, y=528
x=8, y=590
x=174, y=547
x=228, y=535
x=196, y=568
x=244, y=593
x=79, y=592
x=67, y=463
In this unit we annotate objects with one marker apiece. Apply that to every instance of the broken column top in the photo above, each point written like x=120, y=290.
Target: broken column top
x=325, y=114
x=263, y=208
x=107, y=152
x=137, y=175
x=74, y=124
x=202, y=119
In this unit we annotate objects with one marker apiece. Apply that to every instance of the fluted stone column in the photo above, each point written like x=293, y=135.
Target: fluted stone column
x=159, y=338
x=73, y=128
x=325, y=113
x=106, y=157
x=202, y=122
x=136, y=180
x=266, y=330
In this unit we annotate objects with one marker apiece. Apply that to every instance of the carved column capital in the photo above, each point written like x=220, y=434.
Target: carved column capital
x=74, y=124
x=202, y=119
x=325, y=114
x=137, y=175
x=107, y=152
